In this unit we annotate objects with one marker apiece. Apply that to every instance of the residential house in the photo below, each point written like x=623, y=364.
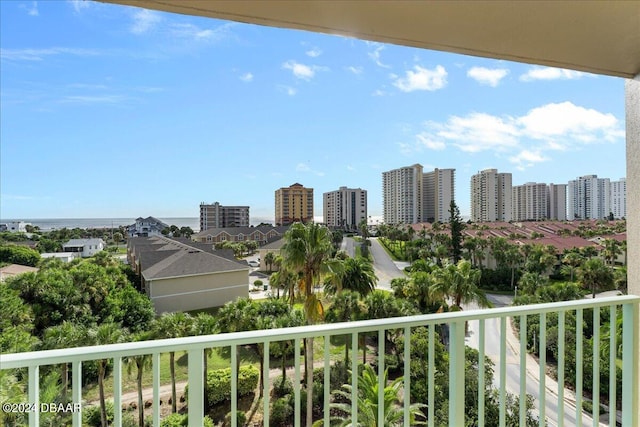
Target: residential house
x=178, y=275
x=84, y=247
x=146, y=227
x=262, y=234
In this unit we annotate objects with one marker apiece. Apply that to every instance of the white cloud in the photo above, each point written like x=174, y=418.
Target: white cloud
x=193, y=32
x=78, y=5
x=355, y=70
x=478, y=132
x=430, y=143
x=527, y=158
x=314, y=53
x=302, y=167
x=379, y=92
x=87, y=100
x=246, y=77
x=300, y=71
x=351, y=168
x=144, y=21
x=32, y=10
x=545, y=129
x=422, y=79
x=487, y=76
x=568, y=122
x=291, y=91
x=375, y=55
x=549, y=73
x=41, y=54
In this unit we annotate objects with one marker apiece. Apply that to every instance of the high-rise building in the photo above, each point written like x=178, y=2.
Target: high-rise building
x=217, y=216
x=402, y=195
x=557, y=202
x=491, y=195
x=619, y=198
x=530, y=202
x=589, y=198
x=294, y=204
x=438, y=192
x=345, y=208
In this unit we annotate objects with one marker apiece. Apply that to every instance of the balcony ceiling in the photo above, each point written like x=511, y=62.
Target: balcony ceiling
x=601, y=37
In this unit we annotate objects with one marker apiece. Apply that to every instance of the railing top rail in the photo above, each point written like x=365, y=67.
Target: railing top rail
x=66, y=355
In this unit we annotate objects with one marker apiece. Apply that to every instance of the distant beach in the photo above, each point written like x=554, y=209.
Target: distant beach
x=48, y=224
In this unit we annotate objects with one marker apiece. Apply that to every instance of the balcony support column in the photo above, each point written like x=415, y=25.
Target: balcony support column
x=456, y=374
x=195, y=359
x=632, y=118
x=630, y=369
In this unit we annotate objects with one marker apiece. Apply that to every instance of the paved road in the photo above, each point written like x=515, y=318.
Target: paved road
x=513, y=379
x=385, y=268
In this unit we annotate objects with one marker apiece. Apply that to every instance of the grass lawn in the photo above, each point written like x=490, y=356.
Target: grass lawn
x=217, y=360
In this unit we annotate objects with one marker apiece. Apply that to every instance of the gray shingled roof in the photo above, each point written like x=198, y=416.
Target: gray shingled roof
x=162, y=257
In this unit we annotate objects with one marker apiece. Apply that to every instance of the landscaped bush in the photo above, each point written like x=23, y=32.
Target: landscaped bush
x=179, y=420
x=219, y=383
x=91, y=415
x=282, y=411
x=282, y=388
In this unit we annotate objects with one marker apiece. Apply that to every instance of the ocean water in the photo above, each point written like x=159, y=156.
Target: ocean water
x=46, y=224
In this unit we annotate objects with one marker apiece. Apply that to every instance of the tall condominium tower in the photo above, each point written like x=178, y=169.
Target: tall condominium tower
x=438, y=192
x=589, y=198
x=557, y=202
x=402, y=195
x=491, y=196
x=294, y=204
x=217, y=216
x=619, y=198
x=345, y=208
x=530, y=202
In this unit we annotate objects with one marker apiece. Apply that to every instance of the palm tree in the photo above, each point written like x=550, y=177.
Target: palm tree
x=460, y=283
x=393, y=412
x=286, y=280
x=421, y=291
x=64, y=335
x=106, y=333
x=140, y=362
x=530, y=282
x=346, y=306
x=512, y=258
x=356, y=275
x=611, y=250
x=269, y=259
x=173, y=325
x=594, y=275
x=572, y=260
x=307, y=249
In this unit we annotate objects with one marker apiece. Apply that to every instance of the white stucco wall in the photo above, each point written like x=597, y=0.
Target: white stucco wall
x=632, y=95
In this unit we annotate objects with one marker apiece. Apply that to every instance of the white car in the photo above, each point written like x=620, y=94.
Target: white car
x=253, y=263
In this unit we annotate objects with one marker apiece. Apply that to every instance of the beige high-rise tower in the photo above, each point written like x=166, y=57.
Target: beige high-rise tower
x=294, y=204
x=402, y=195
x=491, y=196
x=438, y=189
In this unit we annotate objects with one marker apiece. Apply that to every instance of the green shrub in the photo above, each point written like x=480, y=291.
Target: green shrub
x=282, y=388
x=92, y=418
x=180, y=420
x=219, y=383
x=282, y=411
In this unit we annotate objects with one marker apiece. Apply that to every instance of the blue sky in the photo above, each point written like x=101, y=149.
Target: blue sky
x=112, y=111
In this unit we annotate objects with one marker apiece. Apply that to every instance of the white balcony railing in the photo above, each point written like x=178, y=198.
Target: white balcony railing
x=194, y=346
